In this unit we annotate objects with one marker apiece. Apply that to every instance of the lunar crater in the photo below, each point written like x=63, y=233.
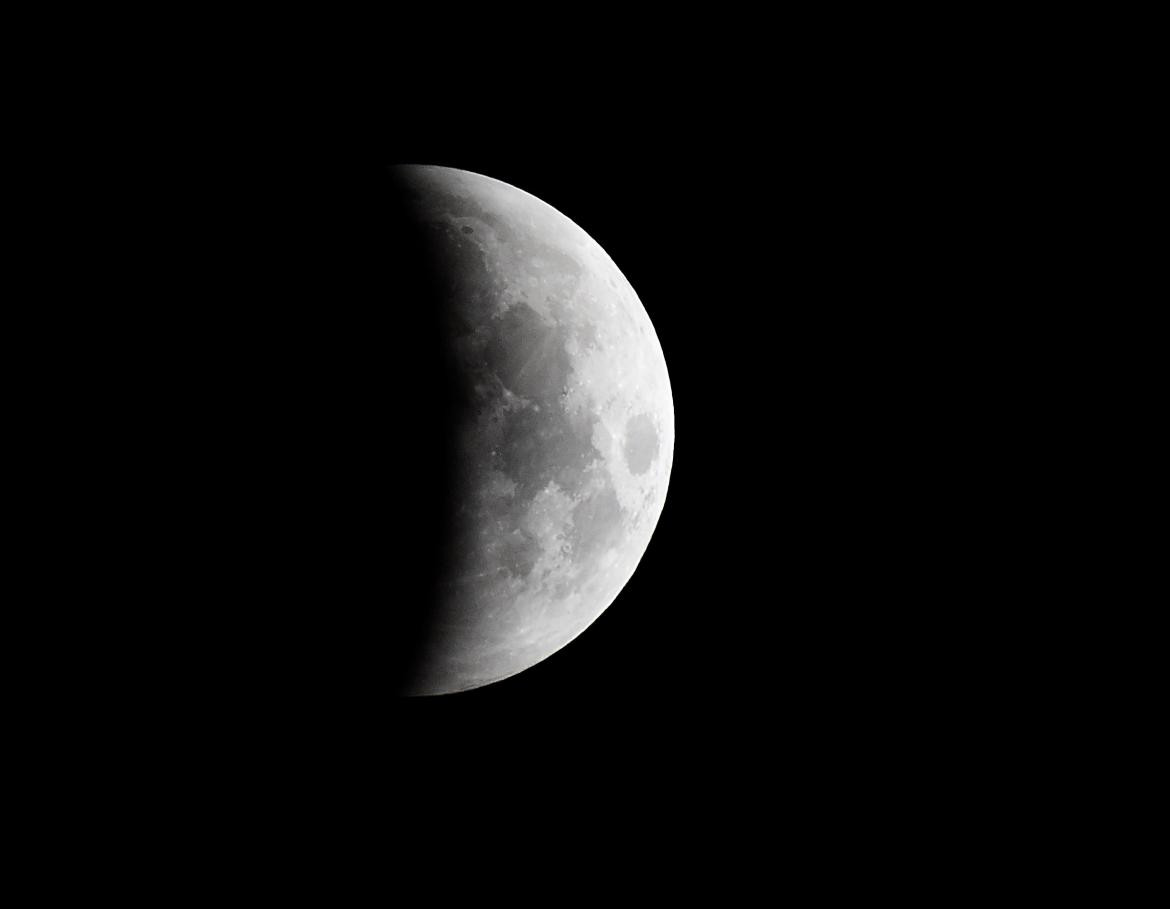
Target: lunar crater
x=641, y=445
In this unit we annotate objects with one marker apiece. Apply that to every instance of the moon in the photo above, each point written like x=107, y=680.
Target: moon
x=565, y=435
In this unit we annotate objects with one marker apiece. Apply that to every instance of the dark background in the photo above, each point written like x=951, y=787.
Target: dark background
x=247, y=440
x=275, y=376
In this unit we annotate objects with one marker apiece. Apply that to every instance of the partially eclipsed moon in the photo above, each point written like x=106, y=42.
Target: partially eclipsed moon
x=566, y=435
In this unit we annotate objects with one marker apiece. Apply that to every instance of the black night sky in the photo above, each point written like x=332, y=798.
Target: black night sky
x=257, y=434
x=792, y=279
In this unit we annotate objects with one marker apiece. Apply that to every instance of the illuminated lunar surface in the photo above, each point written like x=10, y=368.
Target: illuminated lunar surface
x=566, y=435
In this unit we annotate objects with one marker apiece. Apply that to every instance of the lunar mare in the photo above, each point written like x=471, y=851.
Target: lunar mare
x=565, y=435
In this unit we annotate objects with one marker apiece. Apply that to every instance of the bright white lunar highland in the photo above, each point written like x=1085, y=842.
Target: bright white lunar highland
x=567, y=433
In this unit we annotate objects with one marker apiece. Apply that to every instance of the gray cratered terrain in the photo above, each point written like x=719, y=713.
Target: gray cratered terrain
x=566, y=431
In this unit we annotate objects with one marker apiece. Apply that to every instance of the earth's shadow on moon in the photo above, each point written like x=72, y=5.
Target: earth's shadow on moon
x=424, y=418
